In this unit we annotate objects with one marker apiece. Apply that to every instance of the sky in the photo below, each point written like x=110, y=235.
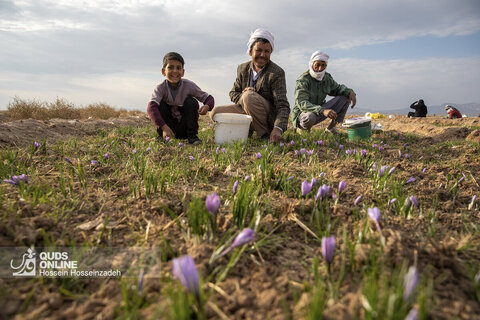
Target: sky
x=390, y=52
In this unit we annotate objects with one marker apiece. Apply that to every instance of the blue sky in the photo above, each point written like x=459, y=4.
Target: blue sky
x=390, y=52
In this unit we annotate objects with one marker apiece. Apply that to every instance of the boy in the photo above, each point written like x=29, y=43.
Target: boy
x=172, y=107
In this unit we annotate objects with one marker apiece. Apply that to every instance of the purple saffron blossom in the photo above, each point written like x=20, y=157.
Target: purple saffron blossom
x=319, y=142
x=180, y=144
x=412, y=315
x=380, y=148
x=322, y=192
x=148, y=150
x=213, y=203
x=414, y=201
x=218, y=149
x=334, y=196
x=297, y=153
x=36, y=144
x=306, y=188
x=282, y=144
x=246, y=236
x=223, y=150
x=375, y=215
x=328, y=248
x=410, y=282
x=374, y=166
x=374, y=145
x=68, y=160
x=461, y=180
x=340, y=147
x=247, y=178
x=134, y=151
x=191, y=157
x=411, y=179
x=392, y=201
x=310, y=152
x=358, y=200
x=258, y=155
x=302, y=151
x=348, y=152
x=322, y=174
x=184, y=269
x=392, y=170
x=424, y=170
x=235, y=187
x=420, y=158
x=341, y=186
x=290, y=178
x=363, y=152
x=292, y=143
x=104, y=145
x=167, y=138
x=141, y=277
x=94, y=162
x=382, y=170
x=106, y=156
x=472, y=202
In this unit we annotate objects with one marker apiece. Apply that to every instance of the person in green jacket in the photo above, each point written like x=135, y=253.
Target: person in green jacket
x=312, y=88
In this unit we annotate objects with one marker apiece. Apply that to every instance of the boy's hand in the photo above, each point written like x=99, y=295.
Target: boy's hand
x=167, y=132
x=203, y=110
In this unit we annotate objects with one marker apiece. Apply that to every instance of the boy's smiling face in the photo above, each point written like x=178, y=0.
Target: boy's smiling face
x=173, y=71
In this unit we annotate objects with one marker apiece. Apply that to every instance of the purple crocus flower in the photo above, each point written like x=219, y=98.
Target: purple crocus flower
x=258, y=155
x=247, y=178
x=412, y=315
x=380, y=148
x=420, y=158
x=461, y=180
x=134, y=151
x=322, y=192
x=357, y=201
x=381, y=171
x=191, y=157
x=302, y=151
x=334, y=196
x=322, y=174
x=328, y=248
x=374, y=145
x=94, y=162
x=141, y=277
x=297, y=153
x=184, y=269
x=392, y=170
x=472, y=202
x=104, y=145
x=235, y=186
x=348, y=152
x=410, y=282
x=290, y=178
x=341, y=186
x=340, y=147
x=363, y=152
x=213, y=203
x=292, y=143
x=148, y=150
x=180, y=144
x=246, y=236
x=36, y=144
x=375, y=215
x=106, y=156
x=306, y=188
x=319, y=142
x=411, y=179
x=68, y=160
x=223, y=150
x=167, y=138
x=392, y=201
x=282, y=144
x=414, y=201
x=310, y=152
x=424, y=170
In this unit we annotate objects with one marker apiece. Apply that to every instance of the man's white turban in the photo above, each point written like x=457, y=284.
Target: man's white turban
x=259, y=33
x=318, y=56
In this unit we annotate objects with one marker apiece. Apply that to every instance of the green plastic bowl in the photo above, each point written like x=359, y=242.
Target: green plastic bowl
x=359, y=133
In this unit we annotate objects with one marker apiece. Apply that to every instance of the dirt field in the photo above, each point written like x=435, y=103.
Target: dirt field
x=443, y=240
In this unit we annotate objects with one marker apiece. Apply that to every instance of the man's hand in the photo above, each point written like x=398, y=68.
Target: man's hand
x=248, y=89
x=203, y=110
x=329, y=113
x=167, y=132
x=352, y=98
x=275, y=135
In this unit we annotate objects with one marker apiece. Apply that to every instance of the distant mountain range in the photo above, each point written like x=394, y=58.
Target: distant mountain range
x=470, y=109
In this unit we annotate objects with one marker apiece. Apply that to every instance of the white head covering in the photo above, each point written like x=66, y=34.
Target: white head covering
x=259, y=33
x=316, y=56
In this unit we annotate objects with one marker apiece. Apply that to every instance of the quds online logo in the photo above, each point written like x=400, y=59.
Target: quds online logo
x=28, y=265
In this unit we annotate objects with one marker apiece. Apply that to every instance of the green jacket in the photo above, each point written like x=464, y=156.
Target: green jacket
x=310, y=94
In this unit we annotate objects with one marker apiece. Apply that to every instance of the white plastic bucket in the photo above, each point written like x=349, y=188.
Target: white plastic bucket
x=231, y=127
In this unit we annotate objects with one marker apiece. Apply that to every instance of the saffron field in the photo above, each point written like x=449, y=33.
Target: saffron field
x=315, y=227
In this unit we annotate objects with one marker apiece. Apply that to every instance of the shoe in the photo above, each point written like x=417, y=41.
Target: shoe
x=194, y=140
x=333, y=130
